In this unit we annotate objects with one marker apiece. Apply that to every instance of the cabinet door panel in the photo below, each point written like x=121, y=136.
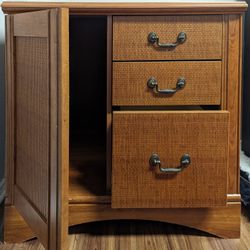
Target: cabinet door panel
x=40, y=82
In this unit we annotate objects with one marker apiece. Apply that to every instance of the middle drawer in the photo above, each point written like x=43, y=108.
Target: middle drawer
x=166, y=83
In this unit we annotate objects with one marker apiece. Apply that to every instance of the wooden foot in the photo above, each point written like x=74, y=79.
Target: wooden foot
x=222, y=221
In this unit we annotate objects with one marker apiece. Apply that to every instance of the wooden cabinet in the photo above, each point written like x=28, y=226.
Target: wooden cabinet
x=123, y=111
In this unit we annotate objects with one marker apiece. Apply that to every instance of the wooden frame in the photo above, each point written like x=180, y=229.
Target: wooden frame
x=99, y=208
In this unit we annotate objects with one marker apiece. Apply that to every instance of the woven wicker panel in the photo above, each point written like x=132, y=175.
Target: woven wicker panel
x=130, y=37
x=203, y=83
x=136, y=135
x=32, y=120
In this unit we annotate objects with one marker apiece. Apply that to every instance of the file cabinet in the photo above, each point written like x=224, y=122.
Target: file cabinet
x=123, y=111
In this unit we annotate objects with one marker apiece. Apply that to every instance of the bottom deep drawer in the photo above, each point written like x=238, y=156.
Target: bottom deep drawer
x=164, y=159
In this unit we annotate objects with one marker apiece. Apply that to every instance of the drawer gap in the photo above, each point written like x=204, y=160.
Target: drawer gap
x=177, y=60
x=191, y=107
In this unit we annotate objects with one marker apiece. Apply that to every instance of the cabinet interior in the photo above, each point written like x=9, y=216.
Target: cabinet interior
x=88, y=69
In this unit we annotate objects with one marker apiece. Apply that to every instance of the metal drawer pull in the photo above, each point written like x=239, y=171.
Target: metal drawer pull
x=153, y=84
x=154, y=39
x=155, y=160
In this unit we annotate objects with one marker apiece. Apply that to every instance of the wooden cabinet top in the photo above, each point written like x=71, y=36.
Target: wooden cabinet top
x=123, y=7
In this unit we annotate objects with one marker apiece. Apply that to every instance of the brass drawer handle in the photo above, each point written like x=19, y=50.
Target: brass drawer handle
x=153, y=84
x=154, y=39
x=155, y=160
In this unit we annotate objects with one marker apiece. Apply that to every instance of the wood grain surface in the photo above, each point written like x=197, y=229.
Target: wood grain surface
x=16, y=230
x=59, y=233
x=233, y=98
x=87, y=175
x=132, y=235
x=130, y=37
x=220, y=221
x=137, y=135
x=131, y=8
x=203, y=83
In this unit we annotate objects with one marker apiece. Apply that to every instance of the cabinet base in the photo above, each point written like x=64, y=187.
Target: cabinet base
x=222, y=221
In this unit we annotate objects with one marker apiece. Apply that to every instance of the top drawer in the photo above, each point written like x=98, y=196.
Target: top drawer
x=203, y=37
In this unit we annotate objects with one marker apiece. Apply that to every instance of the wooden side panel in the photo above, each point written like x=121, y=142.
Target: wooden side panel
x=202, y=83
x=233, y=98
x=137, y=135
x=204, y=37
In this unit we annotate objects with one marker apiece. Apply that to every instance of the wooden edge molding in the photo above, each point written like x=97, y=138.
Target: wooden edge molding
x=63, y=121
x=129, y=8
x=233, y=198
x=233, y=96
x=107, y=199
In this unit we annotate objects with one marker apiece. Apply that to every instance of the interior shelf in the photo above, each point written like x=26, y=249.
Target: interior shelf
x=87, y=174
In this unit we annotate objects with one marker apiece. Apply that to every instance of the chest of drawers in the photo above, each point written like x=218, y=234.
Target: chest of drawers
x=123, y=111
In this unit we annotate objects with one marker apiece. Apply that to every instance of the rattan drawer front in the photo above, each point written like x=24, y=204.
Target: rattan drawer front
x=202, y=83
x=171, y=134
x=203, y=37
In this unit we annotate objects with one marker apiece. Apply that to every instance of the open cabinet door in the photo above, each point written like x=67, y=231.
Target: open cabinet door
x=38, y=59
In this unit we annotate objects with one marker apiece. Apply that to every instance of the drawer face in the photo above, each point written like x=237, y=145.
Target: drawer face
x=203, y=37
x=203, y=135
x=202, y=83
